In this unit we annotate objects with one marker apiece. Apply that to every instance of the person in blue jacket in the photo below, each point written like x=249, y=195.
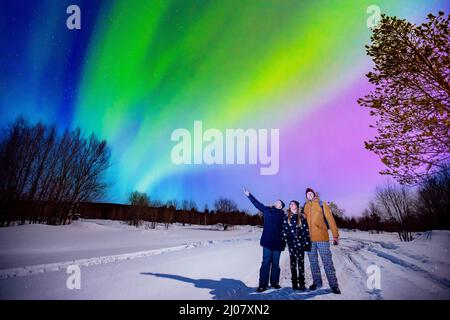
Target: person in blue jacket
x=271, y=241
x=296, y=235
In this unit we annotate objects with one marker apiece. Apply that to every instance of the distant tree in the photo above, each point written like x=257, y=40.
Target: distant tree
x=411, y=100
x=184, y=211
x=140, y=211
x=397, y=204
x=156, y=203
x=373, y=208
x=193, y=210
x=375, y=216
x=139, y=199
x=185, y=205
x=433, y=203
x=337, y=212
x=172, y=204
x=205, y=214
x=371, y=218
x=54, y=173
x=224, y=208
x=192, y=205
x=188, y=207
x=225, y=205
x=167, y=214
x=364, y=222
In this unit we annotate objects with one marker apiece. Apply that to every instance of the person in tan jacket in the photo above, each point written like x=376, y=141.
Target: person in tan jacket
x=320, y=219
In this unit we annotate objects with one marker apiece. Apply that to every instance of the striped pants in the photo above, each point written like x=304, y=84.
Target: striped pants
x=322, y=249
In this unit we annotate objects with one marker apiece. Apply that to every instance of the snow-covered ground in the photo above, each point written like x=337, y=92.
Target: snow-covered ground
x=199, y=262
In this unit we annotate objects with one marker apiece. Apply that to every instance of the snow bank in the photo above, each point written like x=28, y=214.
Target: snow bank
x=30, y=245
x=30, y=270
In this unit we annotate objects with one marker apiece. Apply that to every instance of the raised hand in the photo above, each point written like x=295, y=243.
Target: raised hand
x=246, y=192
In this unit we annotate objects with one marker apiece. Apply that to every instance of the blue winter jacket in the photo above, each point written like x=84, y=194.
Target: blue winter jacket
x=272, y=237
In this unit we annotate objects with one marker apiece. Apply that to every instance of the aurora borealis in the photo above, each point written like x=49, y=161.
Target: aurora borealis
x=137, y=70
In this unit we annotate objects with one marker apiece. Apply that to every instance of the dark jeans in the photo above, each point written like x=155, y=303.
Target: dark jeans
x=298, y=264
x=270, y=266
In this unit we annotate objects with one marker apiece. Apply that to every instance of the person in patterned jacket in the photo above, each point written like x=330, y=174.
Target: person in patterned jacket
x=296, y=236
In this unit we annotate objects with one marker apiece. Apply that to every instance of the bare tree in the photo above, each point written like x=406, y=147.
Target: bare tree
x=172, y=204
x=371, y=218
x=192, y=205
x=397, y=204
x=184, y=211
x=224, y=208
x=375, y=215
x=169, y=212
x=139, y=203
x=433, y=203
x=205, y=214
x=193, y=209
x=54, y=173
x=156, y=203
x=336, y=210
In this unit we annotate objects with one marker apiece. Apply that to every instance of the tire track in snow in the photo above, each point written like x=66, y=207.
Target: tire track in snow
x=410, y=266
x=353, y=255
x=379, y=248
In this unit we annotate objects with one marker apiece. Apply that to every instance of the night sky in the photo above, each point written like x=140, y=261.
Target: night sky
x=137, y=70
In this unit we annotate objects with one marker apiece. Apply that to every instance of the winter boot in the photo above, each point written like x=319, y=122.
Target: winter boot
x=301, y=282
x=313, y=287
x=336, y=290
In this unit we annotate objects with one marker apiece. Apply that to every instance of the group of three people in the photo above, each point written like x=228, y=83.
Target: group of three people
x=301, y=229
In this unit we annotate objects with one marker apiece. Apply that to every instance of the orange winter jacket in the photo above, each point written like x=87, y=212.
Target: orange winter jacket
x=316, y=222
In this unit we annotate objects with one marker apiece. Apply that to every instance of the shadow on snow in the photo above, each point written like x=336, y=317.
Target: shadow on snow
x=233, y=289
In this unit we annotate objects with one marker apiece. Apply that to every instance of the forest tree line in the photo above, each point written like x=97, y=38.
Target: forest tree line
x=52, y=177
x=51, y=171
